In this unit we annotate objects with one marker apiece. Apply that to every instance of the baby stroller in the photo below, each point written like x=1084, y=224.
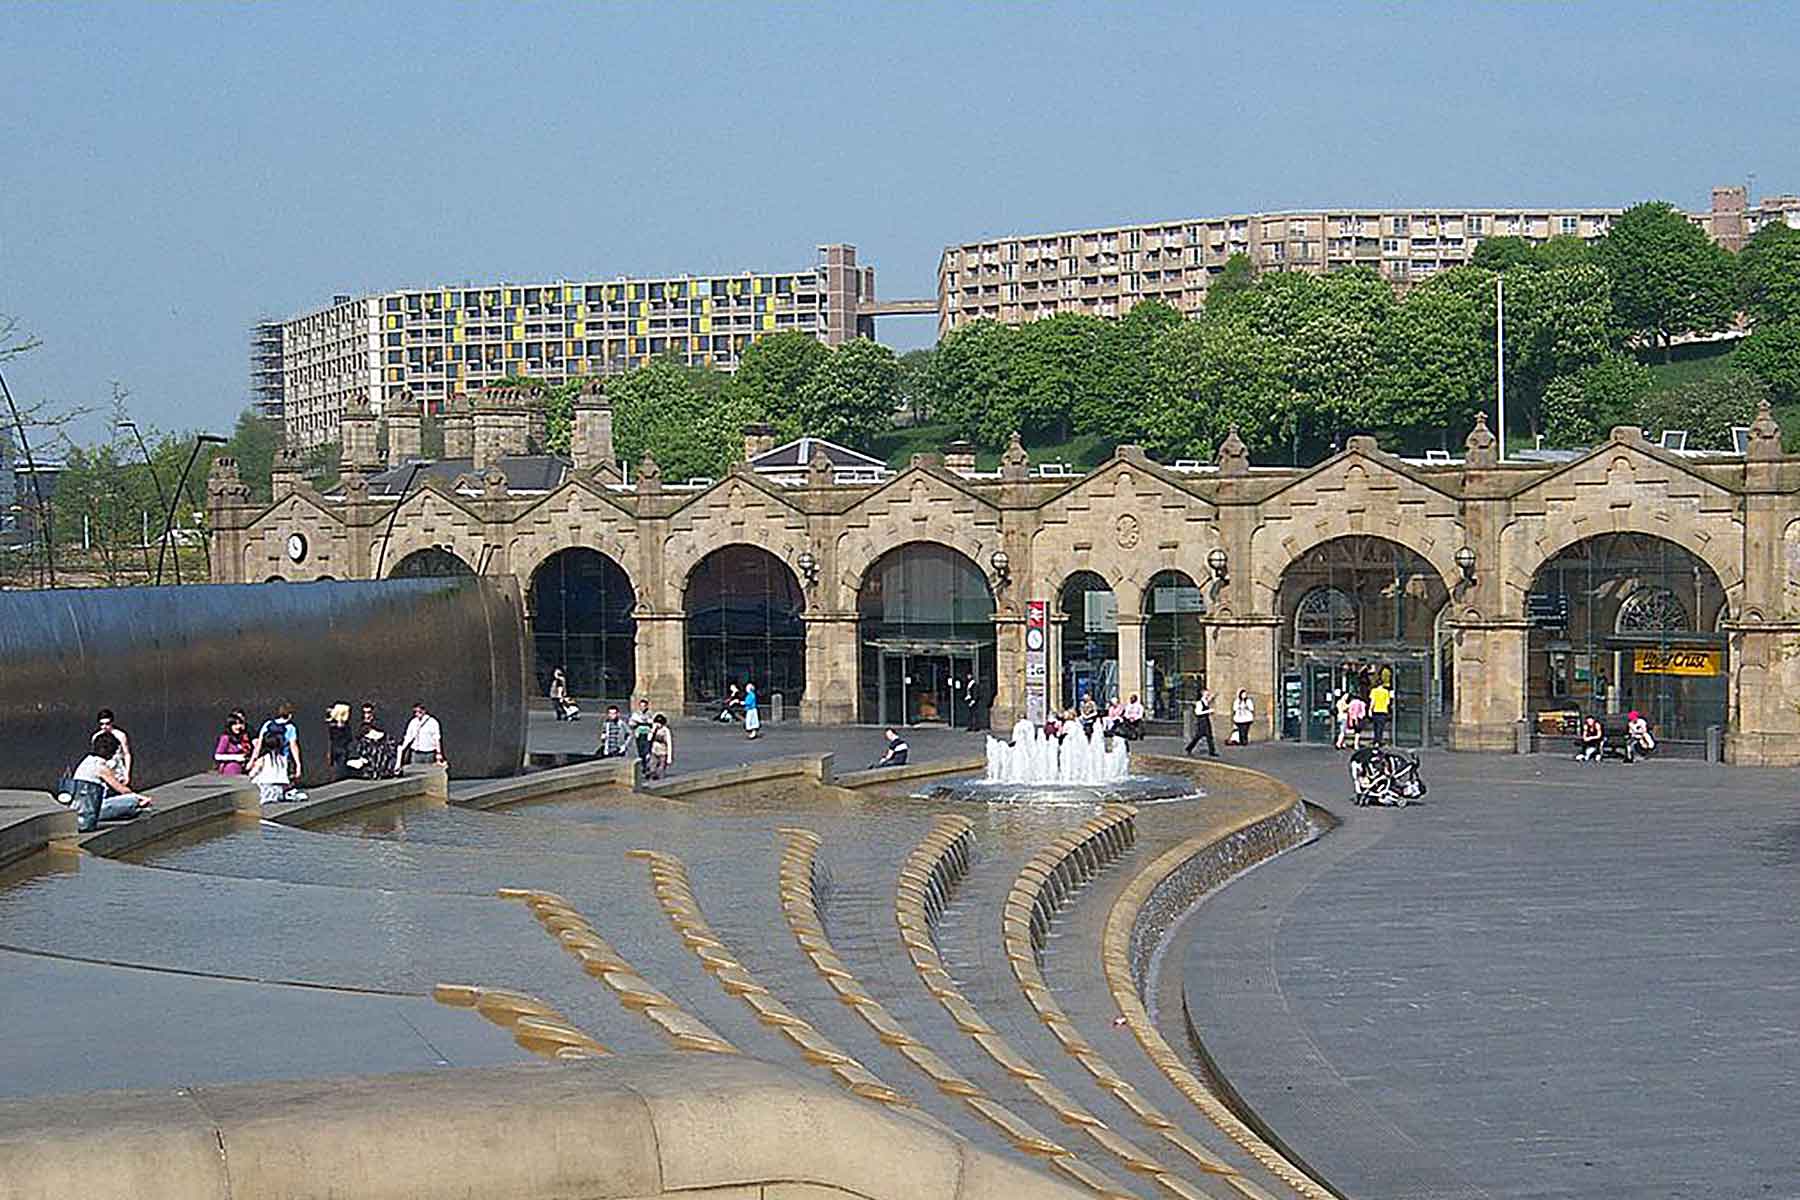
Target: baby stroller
x=566, y=709
x=1385, y=777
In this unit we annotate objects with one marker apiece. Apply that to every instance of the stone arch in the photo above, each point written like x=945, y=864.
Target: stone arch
x=583, y=619
x=860, y=548
x=1718, y=543
x=429, y=562
x=741, y=611
x=1433, y=539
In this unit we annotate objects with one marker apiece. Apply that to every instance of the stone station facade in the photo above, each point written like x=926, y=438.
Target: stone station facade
x=1476, y=535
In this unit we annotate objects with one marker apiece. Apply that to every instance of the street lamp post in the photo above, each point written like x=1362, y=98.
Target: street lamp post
x=156, y=480
x=200, y=439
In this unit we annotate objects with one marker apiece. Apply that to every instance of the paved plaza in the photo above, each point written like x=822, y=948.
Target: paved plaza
x=1550, y=979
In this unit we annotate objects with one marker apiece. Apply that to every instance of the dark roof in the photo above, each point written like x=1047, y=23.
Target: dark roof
x=524, y=473
x=801, y=451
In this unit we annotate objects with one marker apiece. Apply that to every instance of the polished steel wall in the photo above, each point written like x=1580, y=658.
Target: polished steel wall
x=172, y=661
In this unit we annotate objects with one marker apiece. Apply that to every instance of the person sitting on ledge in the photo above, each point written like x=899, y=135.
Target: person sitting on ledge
x=1115, y=712
x=1090, y=712
x=1593, y=738
x=1130, y=725
x=896, y=752
x=1637, y=734
x=96, y=791
x=1053, y=724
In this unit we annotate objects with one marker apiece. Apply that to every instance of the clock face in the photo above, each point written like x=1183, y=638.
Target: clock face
x=296, y=546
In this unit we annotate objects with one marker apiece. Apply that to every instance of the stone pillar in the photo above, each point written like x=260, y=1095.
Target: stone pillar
x=662, y=661
x=357, y=432
x=406, y=441
x=833, y=669
x=501, y=429
x=459, y=429
x=1245, y=653
x=1489, y=662
x=1008, y=683
x=960, y=457
x=284, y=477
x=591, y=435
x=758, y=439
x=1131, y=659
x=228, y=512
x=1765, y=678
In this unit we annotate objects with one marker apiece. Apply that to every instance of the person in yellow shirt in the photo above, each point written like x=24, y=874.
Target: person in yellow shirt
x=1381, y=706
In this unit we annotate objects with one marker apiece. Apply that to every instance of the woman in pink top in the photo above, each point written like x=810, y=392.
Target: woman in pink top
x=233, y=752
x=1357, y=712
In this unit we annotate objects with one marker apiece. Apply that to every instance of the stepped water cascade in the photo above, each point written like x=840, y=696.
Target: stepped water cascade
x=1075, y=758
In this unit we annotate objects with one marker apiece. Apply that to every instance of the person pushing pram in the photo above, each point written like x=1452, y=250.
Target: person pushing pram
x=1384, y=777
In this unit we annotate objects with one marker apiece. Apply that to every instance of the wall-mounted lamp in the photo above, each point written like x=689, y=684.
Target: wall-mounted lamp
x=1465, y=562
x=1001, y=561
x=1219, y=563
x=809, y=567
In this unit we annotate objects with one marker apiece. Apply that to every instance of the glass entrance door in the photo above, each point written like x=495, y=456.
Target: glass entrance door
x=925, y=689
x=1321, y=675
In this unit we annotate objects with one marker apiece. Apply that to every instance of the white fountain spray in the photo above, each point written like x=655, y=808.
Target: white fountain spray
x=1078, y=757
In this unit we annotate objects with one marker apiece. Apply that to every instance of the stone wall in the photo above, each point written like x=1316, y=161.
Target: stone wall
x=1126, y=521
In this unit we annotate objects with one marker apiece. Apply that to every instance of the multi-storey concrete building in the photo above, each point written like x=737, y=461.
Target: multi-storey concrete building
x=1105, y=271
x=437, y=342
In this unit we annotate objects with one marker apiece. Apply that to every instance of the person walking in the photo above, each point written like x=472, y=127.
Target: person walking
x=1341, y=716
x=1243, y=715
x=1356, y=716
x=642, y=726
x=1203, y=716
x=559, y=694
x=662, y=747
x=1381, y=708
x=424, y=738
x=231, y=756
x=615, y=734
x=728, y=708
x=752, y=715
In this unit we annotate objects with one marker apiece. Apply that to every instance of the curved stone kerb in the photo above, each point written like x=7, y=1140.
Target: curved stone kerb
x=639, y=1127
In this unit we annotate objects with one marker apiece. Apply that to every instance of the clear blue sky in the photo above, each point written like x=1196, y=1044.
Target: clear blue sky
x=175, y=172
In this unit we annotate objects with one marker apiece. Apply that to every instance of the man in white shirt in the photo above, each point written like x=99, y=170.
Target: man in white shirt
x=424, y=740
x=120, y=762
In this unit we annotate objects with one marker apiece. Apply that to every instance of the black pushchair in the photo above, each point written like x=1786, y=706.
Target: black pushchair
x=1385, y=777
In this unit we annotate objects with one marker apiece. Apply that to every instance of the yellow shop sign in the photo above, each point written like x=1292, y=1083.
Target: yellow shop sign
x=1676, y=662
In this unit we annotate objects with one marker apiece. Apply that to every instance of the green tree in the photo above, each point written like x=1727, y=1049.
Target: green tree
x=915, y=384
x=1768, y=271
x=1707, y=408
x=1209, y=375
x=1121, y=371
x=971, y=374
x=1503, y=254
x=1563, y=250
x=1772, y=354
x=1434, y=366
x=1668, y=278
x=1237, y=277
x=1558, y=322
x=254, y=441
x=677, y=414
x=1052, y=375
x=1580, y=408
x=852, y=395
x=772, y=375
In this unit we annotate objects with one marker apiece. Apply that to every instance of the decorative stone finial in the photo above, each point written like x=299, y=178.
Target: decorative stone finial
x=649, y=479
x=592, y=393
x=493, y=484
x=355, y=485
x=1234, y=456
x=358, y=406
x=1765, y=434
x=819, y=470
x=1627, y=435
x=1478, y=447
x=1015, y=463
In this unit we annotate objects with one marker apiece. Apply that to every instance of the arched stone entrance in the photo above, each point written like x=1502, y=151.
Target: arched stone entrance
x=925, y=628
x=1622, y=622
x=744, y=625
x=1087, y=611
x=581, y=605
x=1357, y=611
x=1174, y=644
x=433, y=562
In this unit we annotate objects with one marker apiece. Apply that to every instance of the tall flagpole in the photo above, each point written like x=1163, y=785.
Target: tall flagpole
x=1500, y=355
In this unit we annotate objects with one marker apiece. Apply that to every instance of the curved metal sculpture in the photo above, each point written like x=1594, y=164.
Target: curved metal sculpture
x=172, y=661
